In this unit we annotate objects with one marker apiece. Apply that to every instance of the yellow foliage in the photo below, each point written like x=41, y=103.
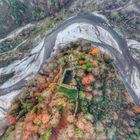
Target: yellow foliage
x=136, y=108
x=95, y=51
x=62, y=102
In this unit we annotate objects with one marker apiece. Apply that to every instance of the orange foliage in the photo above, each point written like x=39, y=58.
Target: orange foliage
x=81, y=62
x=85, y=81
x=136, y=108
x=95, y=51
x=88, y=79
x=45, y=118
x=30, y=127
x=62, y=102
x=36, y=119
x=26, y=135
x=11, y=119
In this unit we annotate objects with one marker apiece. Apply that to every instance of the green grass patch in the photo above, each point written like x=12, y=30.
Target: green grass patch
x=70, y=93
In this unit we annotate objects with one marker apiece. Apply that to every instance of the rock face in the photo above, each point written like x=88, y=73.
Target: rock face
x=14, y=13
